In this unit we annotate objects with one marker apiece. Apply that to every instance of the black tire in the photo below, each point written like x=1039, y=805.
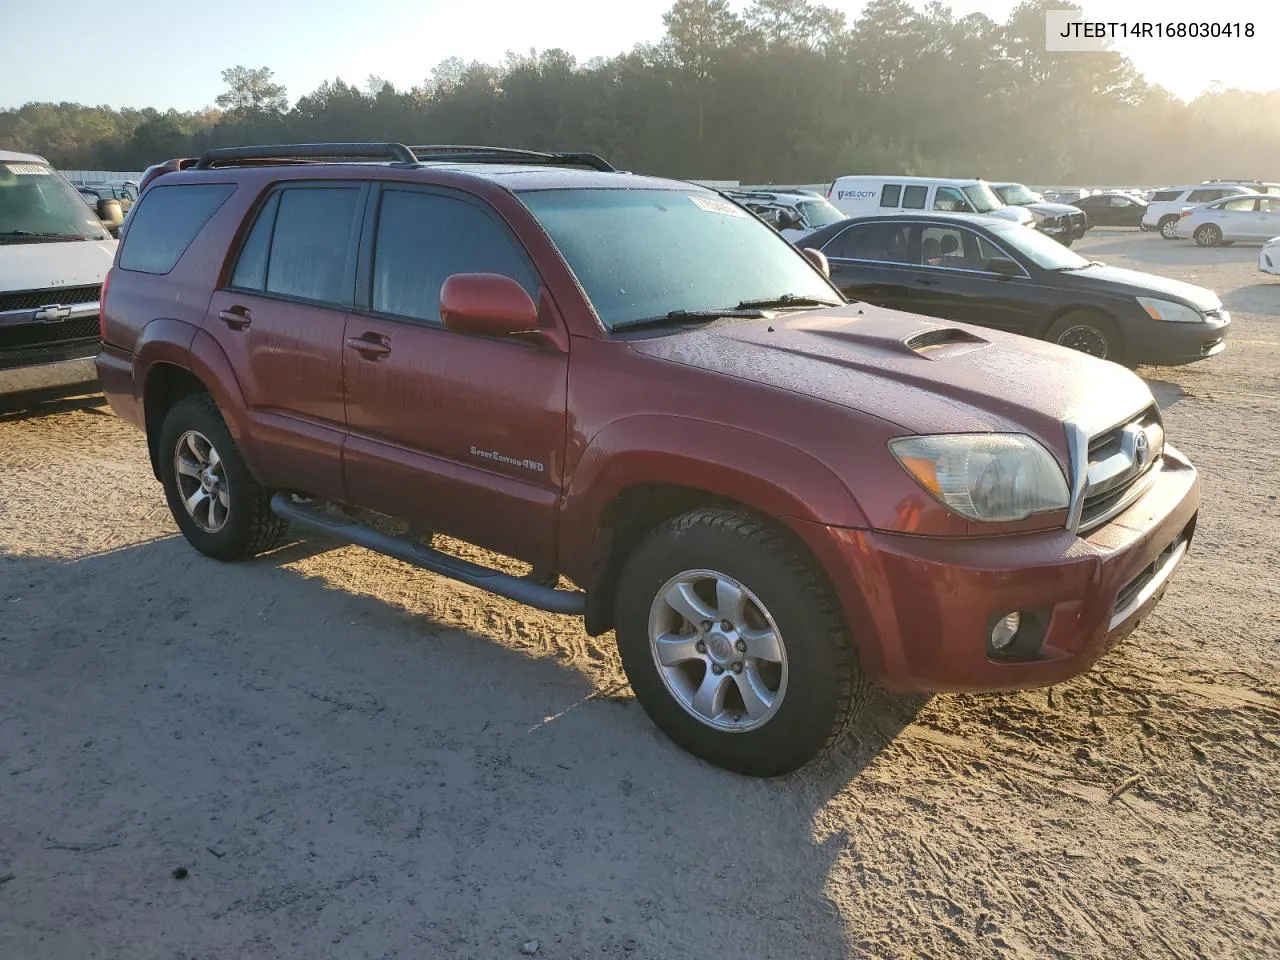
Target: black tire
x=1089, y=332
x=825, y=687
x=1208, y=235
x=1166, y=227
x=249, y=526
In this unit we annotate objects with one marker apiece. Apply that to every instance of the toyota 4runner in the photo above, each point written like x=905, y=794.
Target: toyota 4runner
x=773, y=496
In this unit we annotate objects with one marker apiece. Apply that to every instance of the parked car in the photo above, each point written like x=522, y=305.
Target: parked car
x=1269, y=257
x=54, y=252
x=986, y=271
x=865, y=196
x=1166, y=205
x=1063, y=222
x=1113, y=209
x=1257, y=186
x=793, y=214
x=1235, y=218
x=644, y=393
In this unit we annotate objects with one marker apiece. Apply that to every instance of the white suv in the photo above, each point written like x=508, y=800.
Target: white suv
x=1166, y=204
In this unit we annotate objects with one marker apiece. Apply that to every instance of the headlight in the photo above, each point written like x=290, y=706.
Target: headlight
x=1168, y=310
x=985, y=476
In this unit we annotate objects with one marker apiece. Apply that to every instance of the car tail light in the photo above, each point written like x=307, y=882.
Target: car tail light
x=102, y=307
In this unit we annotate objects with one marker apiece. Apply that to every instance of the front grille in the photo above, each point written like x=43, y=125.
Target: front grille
x=1116, y=476
x=34, y=299
x=25, y=335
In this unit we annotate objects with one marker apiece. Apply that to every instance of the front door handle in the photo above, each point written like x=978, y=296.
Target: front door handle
x=927, y=281
x=371, y=346
x=237, y=317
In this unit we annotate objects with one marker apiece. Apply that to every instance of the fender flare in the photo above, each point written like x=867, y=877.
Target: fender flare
x=763, y=473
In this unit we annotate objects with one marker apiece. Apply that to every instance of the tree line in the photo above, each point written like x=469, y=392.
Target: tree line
x=787, y=91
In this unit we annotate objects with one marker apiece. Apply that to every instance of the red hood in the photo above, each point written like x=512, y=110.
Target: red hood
x=876, y=361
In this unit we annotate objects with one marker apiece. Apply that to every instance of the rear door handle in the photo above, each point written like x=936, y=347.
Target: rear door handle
x=237, y=318
x=926, y=281
x=371, y=346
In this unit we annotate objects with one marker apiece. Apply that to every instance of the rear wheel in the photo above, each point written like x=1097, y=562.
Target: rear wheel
x=734, y=644
x=1208, y=235
x=1167, y=227
x=1089, y=332
x=221, y=510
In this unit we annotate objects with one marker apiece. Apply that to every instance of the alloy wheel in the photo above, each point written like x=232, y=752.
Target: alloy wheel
x=202, y=481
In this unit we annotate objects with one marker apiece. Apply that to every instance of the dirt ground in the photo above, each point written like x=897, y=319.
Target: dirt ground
x=352, y=759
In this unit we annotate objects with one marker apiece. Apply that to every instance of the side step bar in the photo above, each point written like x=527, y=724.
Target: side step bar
x=520, y=589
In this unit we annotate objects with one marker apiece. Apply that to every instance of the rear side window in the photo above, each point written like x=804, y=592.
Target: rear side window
x=1166, y=196
x=302, y=244
x=883, y=242
x=891, y=194
x=913, y=198
x=424, y=238
x=1204, y=196
x=165, y=223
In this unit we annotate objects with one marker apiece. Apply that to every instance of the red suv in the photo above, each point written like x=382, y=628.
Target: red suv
x=642, y=391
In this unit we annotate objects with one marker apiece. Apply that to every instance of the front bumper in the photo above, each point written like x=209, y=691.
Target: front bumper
x=1165, y=344
x=55, y=375
x=921, y=609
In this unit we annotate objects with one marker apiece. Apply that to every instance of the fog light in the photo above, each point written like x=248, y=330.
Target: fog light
x=1006, y=630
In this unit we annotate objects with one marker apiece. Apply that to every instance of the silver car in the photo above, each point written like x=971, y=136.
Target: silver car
x=1250, y=217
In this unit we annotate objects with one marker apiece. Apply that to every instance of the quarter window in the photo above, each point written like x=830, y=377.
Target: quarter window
x=891, y=194
x=166, y=223
x=1166, y=196
x=424, y=238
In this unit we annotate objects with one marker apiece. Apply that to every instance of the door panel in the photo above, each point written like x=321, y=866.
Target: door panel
x=281, y=323
x=455, y=433
x=884, y=285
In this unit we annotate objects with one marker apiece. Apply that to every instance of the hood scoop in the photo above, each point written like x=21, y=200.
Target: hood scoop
x=937, y=342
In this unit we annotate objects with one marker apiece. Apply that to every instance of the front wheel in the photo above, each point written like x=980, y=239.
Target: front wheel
x=734, y=645
x=221, y=510
x=1088, y=332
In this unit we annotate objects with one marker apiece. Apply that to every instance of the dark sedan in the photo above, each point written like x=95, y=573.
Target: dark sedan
x=1112, y=210
x=995, y=273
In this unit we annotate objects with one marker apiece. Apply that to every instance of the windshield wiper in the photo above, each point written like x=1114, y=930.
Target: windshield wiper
x=37, y=235
x=786, y=300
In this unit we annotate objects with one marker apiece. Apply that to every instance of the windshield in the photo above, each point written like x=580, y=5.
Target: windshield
x=1039, y=248
x=983, y=198
x=1017, y=194
x=642, y=254
x=819, y=213
x=36, y=202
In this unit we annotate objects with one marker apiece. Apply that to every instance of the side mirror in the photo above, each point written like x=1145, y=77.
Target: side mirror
x=487, y=304
x=110, y=213
x=819, y=260
x=1006, y=268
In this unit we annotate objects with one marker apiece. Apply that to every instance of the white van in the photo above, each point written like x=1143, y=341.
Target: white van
x=868, y=196
x=55, y=250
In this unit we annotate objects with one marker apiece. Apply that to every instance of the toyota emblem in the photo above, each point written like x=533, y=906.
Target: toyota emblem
x=1141, y=449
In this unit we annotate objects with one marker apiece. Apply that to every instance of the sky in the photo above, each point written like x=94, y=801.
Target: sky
x=164, y=54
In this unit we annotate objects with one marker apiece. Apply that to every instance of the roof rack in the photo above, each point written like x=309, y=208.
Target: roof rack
x=469, y=153
x=225, y=156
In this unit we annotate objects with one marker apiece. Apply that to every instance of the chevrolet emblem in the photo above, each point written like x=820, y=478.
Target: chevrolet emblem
x=51, y=313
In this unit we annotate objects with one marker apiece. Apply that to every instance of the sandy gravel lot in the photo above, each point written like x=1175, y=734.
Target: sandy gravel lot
x=351, y=759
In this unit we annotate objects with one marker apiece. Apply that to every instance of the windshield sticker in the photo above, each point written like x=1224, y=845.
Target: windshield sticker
x=26, y=169
x=718, y=206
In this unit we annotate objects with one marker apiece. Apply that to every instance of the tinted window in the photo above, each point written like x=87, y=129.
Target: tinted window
x=641, y=254
x=891, y=194
x=1204, y=196
x=311, y=244
x=423, y=239
x=165, y=223
x=871, y=241
x=1166, y=196
x=949, y=198
x=251, y=268
x=913, y=197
